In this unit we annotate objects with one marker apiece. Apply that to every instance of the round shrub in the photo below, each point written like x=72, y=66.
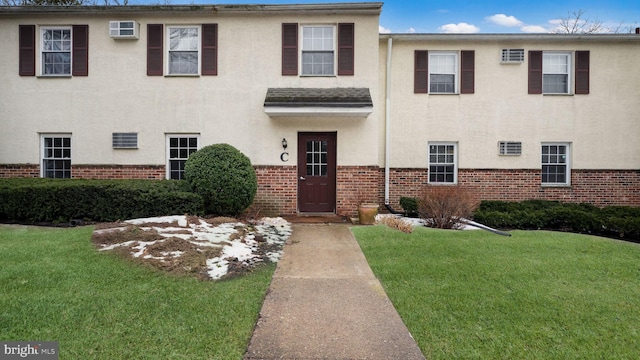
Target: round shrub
x=224, y=177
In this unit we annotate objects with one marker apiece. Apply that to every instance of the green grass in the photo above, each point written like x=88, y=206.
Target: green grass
x=535, y=295
x=55, y=287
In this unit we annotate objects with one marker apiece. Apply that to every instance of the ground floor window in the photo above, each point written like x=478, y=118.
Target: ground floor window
x=179, y=147
x=56, y=156
x=443, y=166
x=555, y=164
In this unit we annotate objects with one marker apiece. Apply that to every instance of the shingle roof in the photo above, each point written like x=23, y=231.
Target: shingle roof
x=333, y=97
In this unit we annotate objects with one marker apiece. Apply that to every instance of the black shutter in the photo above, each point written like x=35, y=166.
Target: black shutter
x=421, y=72
x=345, y=49
x=80, y=50
x=27, y=50
x=467, y=78
x=289, y=49
x=154, y=49
x=535, y=72
x=209, y=49
x=582, y=72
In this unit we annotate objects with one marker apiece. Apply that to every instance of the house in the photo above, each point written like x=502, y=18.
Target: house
x=329, y=111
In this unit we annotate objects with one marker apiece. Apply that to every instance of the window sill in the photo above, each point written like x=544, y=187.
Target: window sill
x=555, y=185
x=432, y=93
x=54, y=76
x=557, y=94
x=318, y=75
x=182, y=75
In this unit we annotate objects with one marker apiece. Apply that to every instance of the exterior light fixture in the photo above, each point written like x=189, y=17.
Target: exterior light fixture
x=284, y=157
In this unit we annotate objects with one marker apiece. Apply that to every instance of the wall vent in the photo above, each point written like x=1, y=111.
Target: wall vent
x=512, y=148
x=125, y=29
x=512, y=56
x=125, y=140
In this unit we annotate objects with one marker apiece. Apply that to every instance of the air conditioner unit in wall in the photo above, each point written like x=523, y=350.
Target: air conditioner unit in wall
x=124, y=29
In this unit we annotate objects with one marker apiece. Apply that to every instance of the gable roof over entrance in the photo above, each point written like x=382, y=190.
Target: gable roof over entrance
x=351, y=102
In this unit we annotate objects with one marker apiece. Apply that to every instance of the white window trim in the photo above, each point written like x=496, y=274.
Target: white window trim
x=168, y=136
x=567, y=145
x=168, y=28
x=455, y=162
x=570, y=65
x=42, y=157
x=456, y=74
x=40, y=59
x=334, y=50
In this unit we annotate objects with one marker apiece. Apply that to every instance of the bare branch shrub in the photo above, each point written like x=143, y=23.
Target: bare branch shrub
x=443, y=206
x=396, y=223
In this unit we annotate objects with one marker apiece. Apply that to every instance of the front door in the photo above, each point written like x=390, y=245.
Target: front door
x=317, y=172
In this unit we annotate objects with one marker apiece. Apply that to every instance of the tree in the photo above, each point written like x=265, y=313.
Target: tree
x=575, y=23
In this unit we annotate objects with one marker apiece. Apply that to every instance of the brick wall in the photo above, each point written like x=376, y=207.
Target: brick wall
x=153, y=172
x=357, y=184
x=19, y=170
x=277, y=190
x=598, y=187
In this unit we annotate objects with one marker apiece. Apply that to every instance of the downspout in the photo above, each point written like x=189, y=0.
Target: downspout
x=387, y=129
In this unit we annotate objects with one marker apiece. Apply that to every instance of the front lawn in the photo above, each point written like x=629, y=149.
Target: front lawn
x=54, y=286
x=534, y=295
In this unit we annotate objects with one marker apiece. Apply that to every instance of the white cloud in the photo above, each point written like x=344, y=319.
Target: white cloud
x=411, y=30
x=503, y=20
x=460, y=28
x=383, y=30
x=534, y=29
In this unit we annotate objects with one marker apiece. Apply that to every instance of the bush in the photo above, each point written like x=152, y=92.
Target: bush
x=224, y=177
x=443, y=206
x=410, y=206
x=61, y=200
x=617, y=221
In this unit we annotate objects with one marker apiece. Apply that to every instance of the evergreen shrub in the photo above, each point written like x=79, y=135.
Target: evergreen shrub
x=224, y=177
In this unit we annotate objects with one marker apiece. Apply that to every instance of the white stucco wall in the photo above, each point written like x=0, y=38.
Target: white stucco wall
x=118, y=96
x=603, y=127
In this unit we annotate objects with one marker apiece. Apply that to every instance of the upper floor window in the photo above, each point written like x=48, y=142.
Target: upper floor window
x=190, y=50
x=555, y=73
x=323, y=50
x=444, y=72
x=56, y=51
x=184, y=49
x=318, y=50
x=443, y=164
x=63, y=50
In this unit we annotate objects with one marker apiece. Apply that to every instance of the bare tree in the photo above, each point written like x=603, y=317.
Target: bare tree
x=576, y=23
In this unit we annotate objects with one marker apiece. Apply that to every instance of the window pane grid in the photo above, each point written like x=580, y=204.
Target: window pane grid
x=56, y=51
x=554, y=164
x=56, y=160
x=442, y=73
x=442, y=163
x=316, y=158
x=183, y=51
x=318, y=50
x=179, y=150
x=555, y=73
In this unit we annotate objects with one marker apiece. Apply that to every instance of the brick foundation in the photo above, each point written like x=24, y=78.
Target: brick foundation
x=278, y=186
x=597, y=187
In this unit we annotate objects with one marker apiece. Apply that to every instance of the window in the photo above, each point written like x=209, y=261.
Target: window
x=63, y=51
x=317, y=50
x=550, y=72
x=555, y=73
x=179, y=147
x=56, y=51
x=56, y=156
x=184, y=46
x=317, y=158
x=555, y=164
x=442, y=163
x=190, y=50
x=322, y=52
x=443, y=71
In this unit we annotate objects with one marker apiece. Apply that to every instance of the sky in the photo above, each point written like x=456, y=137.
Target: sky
x=477, y=16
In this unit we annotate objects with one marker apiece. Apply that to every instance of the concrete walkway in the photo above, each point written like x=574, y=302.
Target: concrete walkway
x=325, y=303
